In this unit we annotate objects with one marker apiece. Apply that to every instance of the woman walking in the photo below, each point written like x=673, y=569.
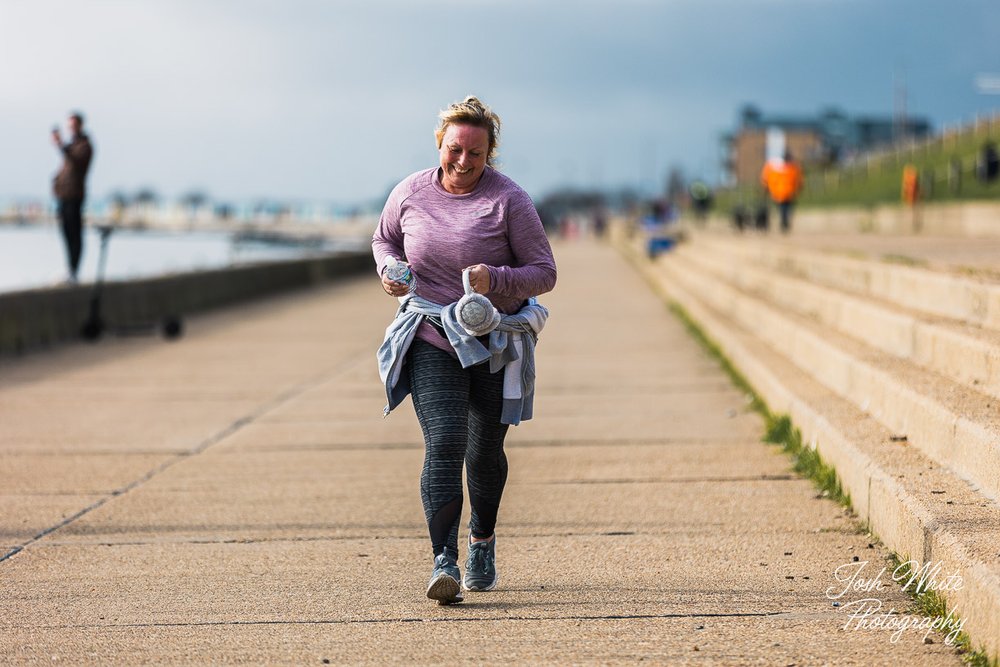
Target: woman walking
x=464, y=230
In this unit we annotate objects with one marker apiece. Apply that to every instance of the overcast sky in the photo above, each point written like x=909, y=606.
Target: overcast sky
x=336, y=101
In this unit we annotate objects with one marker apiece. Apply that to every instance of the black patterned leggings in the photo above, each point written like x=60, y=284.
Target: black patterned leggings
x=459, y=412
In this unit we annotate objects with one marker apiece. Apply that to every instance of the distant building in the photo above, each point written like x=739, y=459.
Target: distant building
x=824, y=139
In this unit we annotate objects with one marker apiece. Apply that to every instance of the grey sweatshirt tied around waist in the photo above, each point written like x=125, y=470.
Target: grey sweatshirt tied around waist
x=511, y=346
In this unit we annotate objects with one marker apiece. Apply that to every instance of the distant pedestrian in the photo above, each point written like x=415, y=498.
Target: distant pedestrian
x=911, y=192
x=910, y=187
x=762, y=217
x=701, y=200
x=600, y=222
x=782, y=178
x=70, y=187
x=988, y=164
x=462, y=342
x=741, y=217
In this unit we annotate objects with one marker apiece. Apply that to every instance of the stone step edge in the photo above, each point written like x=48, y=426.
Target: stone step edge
x=923, y=290
x=901, y=521
x=967, y=447
x=967, y=360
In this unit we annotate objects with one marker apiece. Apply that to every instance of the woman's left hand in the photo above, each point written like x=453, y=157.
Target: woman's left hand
x=479, y=278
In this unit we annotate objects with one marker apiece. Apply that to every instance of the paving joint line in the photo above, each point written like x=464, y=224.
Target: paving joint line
x=668, y=480
x=512, y=444
x=418, y=535
x=92, y=452
x=417, y=619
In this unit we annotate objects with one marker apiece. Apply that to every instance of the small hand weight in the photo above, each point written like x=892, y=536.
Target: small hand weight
x=475, y=312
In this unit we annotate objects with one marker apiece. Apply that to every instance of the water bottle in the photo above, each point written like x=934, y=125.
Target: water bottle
x=400, y=272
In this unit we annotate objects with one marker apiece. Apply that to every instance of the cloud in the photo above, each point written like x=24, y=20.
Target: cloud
x=336, y=100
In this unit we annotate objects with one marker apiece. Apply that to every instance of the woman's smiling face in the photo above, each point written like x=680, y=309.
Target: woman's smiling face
x=464, y=149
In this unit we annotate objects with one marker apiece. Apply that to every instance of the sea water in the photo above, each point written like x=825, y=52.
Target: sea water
x=35, y=256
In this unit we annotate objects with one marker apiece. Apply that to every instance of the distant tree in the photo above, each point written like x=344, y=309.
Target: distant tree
x=628, y=200
x=194, y=199
x=567, y=201
x=118, y=198
x=146, y=196
x=224, y=211
x=676, y=189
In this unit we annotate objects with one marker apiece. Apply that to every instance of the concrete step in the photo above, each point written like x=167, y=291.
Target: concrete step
x=967, y=354
x=953, y=425
x=969, y=299
x=919, y=508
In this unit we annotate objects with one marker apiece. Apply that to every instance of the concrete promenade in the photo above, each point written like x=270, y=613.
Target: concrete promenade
x=236, y=497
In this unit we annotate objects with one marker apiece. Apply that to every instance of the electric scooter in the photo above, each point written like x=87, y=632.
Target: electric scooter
x=94, y=327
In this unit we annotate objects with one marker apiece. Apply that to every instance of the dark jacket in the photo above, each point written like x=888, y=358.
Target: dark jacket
x=70, y=182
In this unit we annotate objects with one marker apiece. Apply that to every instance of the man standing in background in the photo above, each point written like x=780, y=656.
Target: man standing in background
x=783, y=180
x=69, y=187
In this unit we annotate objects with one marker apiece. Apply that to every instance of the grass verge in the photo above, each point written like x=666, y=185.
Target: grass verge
x=932, y=604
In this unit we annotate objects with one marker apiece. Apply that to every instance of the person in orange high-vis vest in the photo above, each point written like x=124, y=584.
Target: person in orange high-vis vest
x=911, y=185
x=911, y=195
x=782, y=178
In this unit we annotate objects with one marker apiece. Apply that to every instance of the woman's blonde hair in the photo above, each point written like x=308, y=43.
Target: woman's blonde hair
x=471, y=111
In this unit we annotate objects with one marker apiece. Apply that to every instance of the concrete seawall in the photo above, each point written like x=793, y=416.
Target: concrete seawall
x=974, y=219
x=34, y=319
x=969, y=219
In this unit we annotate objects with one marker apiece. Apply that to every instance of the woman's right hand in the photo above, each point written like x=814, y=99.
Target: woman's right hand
x=393, y=287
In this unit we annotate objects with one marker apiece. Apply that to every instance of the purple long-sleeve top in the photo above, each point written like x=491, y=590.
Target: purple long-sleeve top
x=439, y=234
